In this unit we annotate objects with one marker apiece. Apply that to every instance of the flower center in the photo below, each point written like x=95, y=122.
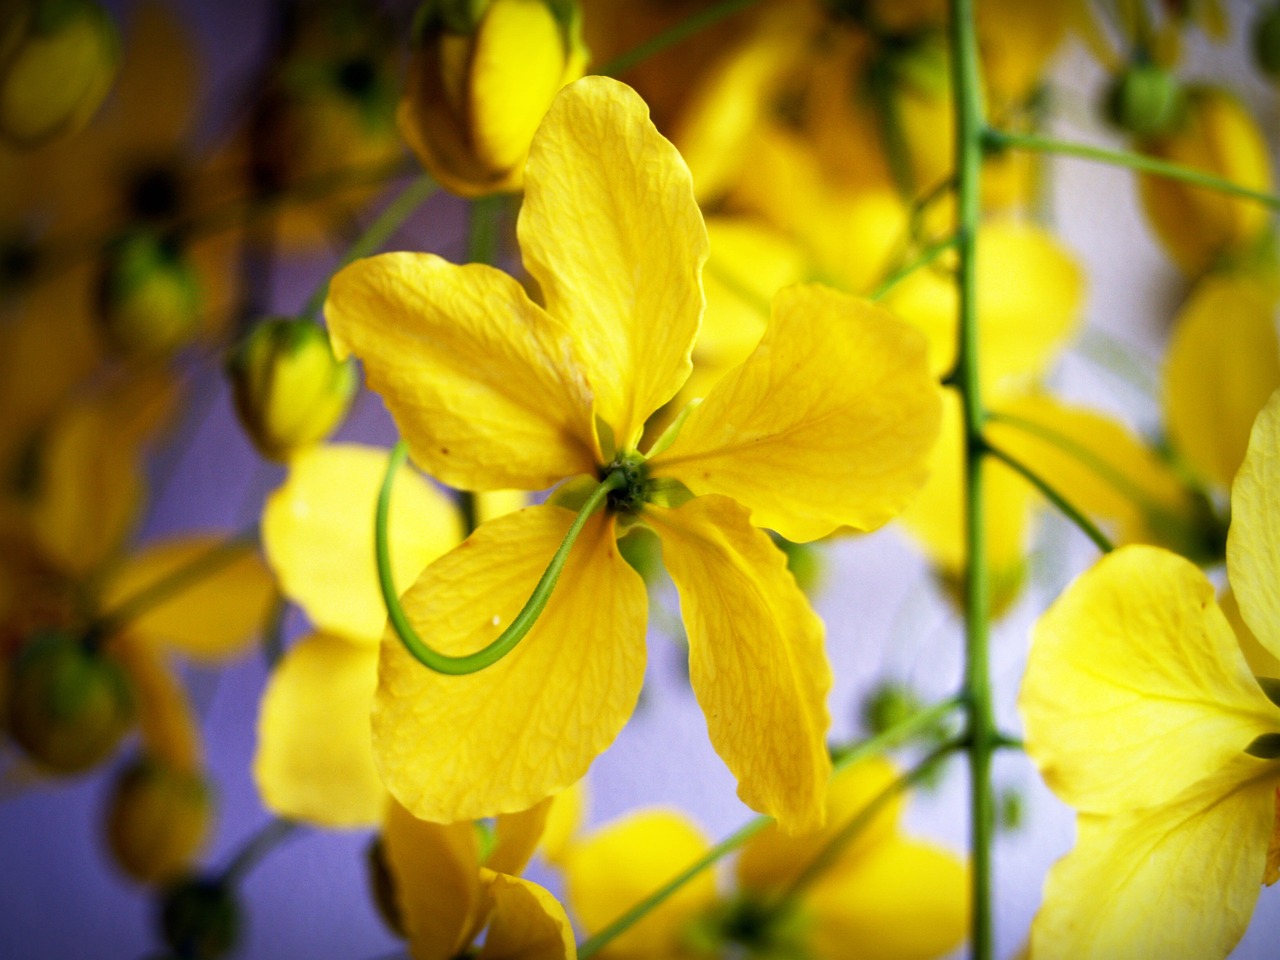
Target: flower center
x=628, y=497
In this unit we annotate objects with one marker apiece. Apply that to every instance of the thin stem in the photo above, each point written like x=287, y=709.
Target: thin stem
x=202, y=565
x=1065, y=507
x=523, y=621
x=1001, y=139
x=845, y=758
x=880, y=85
x=966, y=84
x=257, y=847
x=375, y=235
x=926, y=257
x=670, y=37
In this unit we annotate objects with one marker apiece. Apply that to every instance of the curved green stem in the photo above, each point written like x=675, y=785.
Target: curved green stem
x=1001, y=139
x=844, y=759
x=926, y=257
x=1065, y=507
x=257, y=847
x=669, y=38
x=524, y=620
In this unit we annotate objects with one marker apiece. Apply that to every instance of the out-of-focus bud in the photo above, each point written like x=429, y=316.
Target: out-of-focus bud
x=1200, y=227
x=68, y=705
x=1145, y=100
x=149, y=296
x=383, y=886
x=157, y=820
x=290, y=390
x=58, y=59
x=482, y=75
x=200, y=918
x=1266, y=41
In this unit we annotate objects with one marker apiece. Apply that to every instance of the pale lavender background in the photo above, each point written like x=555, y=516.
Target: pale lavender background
x=59, y=897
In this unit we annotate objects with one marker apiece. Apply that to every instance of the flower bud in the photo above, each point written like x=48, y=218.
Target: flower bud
x=158, y=818
x=480, y=80
x=290, y=390
x=149, y=296
x=200, y=918
x=1200, y=227
x=58, y=59
x=382, y=883
x=68, y=705
x=1146, y=101
x=1266, y=41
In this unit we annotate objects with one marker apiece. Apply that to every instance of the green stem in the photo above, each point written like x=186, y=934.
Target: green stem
x=880, y=84
x=966, y=84
x=926, y=257
x=1071, y=512
x=859, y=822
x=375, y=235
x=257, y=847
x=524, y=620
x=1002, y=139
x=845, y=758
x=202, y=565
x=482, y=228
x=670, y=37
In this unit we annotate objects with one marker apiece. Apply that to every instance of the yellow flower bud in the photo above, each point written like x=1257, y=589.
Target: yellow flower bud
x=474, y=96
x=1200, y=227
x=157, y=820
x=68, y=705
x=58, y=59
x=149, y=296
x=290, y=390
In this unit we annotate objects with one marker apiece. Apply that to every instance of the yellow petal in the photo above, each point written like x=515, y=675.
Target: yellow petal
x=1017, y=38
x=499, y=740
x=1262, y=663
x=614, y=868
x=481, y=382
x=1253, y=545
x=317, y=532
x=1030, y=290
x=210, y=619
x=828, y=423
x=564, y=822
x=1176, y=881
x=901, y=900
x=1135, y=686
x=1223, y=364
x=517, y=836
x=166, y=722
x=610, y=232
x=314, y=760
x=528, y=923
x=756, y=657
x=772, y=860
x=155, y=92
x=436, y=872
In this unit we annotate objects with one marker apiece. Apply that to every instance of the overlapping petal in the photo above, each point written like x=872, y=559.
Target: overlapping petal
x=612, y=236
x=1177, y=881
x=516, y=836
x=1253, y=546
x=828, y=423
x=756, y=657
x=623, y=862
x=528, y=923
x=483, y=384
x=166, y=722
x=317, y=532
x=454, y=748
x=314, y=760
x=1136, y=688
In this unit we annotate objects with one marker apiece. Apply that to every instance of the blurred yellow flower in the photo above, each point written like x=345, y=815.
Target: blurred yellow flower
x=1142, y=713
x=827, y=424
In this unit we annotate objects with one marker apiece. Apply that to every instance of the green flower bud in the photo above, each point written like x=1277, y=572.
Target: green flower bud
x=149, y=296
x=1266, y=41
x=290, y=390
x=481, y=77
x=58, y=59
x=157, y=819
x=1146, y=101
x=200, y=919
x=1010, y=810
x=68, y=705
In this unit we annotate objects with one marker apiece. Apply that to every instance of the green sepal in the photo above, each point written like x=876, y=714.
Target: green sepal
x=1271, y=687
x=1265, y=747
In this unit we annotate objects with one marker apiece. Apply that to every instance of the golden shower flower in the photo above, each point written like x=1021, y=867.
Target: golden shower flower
x=481, y=77
x=1142, y=713
x=870, y=893
x=827, y=424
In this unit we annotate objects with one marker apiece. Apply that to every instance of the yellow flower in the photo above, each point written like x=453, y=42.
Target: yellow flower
x=1142, y=713
x=827, y=424
x=895, y=898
